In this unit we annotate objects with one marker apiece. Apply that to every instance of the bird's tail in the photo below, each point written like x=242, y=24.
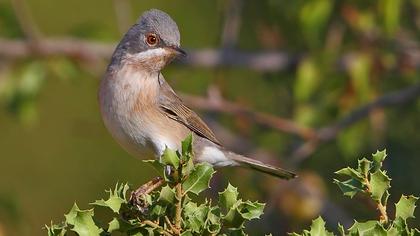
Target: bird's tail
x=261, y=167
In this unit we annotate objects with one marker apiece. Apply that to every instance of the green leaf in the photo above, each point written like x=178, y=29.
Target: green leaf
x=379, y=184
x=378, y=158
x=405, y=207
x=400, y=225
x=56, y=230
x=158, y=210
x=364, y=166
x=187, y=233
x=252, y=210
x=242, y=211
x=116, y=198
x=415, y=232
x=367, y=228
x=195, y=216
x=212, y=223
x=82, y=221
x=167, y=195
x=199, y=179
x=187, y=145
x=170, y=157
x=349, y=187
x=113, y=225
x=187, y=168
x=350, y=172
x=234, y=218
x=318, y=228
x=341, y=230
x=228, y=197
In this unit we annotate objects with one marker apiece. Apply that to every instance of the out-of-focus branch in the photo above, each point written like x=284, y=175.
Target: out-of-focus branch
x=88, y=51
x=330, y=132
x=73, y=48
x=214, y=102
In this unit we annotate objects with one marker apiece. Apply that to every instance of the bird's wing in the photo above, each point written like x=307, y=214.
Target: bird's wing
x=175, y=109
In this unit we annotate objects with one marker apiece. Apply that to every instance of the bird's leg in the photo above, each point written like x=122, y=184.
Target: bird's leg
x=136, y=198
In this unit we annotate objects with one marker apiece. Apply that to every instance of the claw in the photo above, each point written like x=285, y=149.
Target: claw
x=137, y=197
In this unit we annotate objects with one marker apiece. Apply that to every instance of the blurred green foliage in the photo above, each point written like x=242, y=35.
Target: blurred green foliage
x=50, y=123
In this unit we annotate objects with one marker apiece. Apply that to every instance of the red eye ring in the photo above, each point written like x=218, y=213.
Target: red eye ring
x=152, y=39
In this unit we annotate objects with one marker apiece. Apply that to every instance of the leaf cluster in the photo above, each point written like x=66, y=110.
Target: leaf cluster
x=370, y=179
x=168, y=211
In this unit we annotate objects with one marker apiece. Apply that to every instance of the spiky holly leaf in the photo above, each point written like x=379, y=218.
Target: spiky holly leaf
x=341, y=230
x=167, y=195
x=379, y=184
x=242, y=211
x=212, y=223
x=170, y=157
x=187, y=145
x=198, y=179
x=195, y=216
x=234, y=218
x=364, y=166
x=378, y=158
x=116, y=198
x=349, y=187
x=318, y=228
x=351, y=173
x=82, y=222
x=228, y=197
x=56, y=229
x=405, y=207
x=371, y=227
x=251, y=210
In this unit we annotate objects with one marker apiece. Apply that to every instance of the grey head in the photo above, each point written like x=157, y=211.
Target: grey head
x=151, y=43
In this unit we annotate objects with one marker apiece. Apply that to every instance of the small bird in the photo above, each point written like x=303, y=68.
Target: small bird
x=142, y=111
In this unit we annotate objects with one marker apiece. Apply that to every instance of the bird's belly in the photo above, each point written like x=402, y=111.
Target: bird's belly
x=143, y=131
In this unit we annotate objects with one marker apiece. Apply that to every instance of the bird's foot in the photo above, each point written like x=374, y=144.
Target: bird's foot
x=137, y=198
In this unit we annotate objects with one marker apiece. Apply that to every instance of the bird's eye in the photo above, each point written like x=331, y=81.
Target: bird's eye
x=152, y=39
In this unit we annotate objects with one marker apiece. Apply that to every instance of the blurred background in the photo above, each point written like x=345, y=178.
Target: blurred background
x=309, y=85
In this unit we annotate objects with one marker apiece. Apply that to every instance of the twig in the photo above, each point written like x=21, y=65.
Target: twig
x=382, y=209
x=218, y=104
x=170, y=224
x=178, y=209
x=154, y=225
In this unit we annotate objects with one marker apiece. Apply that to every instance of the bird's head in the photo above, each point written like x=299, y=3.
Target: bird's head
x=151, y=43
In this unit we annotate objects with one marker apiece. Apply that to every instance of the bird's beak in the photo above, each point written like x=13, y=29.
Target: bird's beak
x=177, y=51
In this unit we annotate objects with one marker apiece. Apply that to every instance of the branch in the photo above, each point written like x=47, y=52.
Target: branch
x=69, y=47
x=92, y=51
x=214, y=102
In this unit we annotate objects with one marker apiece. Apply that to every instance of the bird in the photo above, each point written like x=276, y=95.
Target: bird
x=142, y=111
